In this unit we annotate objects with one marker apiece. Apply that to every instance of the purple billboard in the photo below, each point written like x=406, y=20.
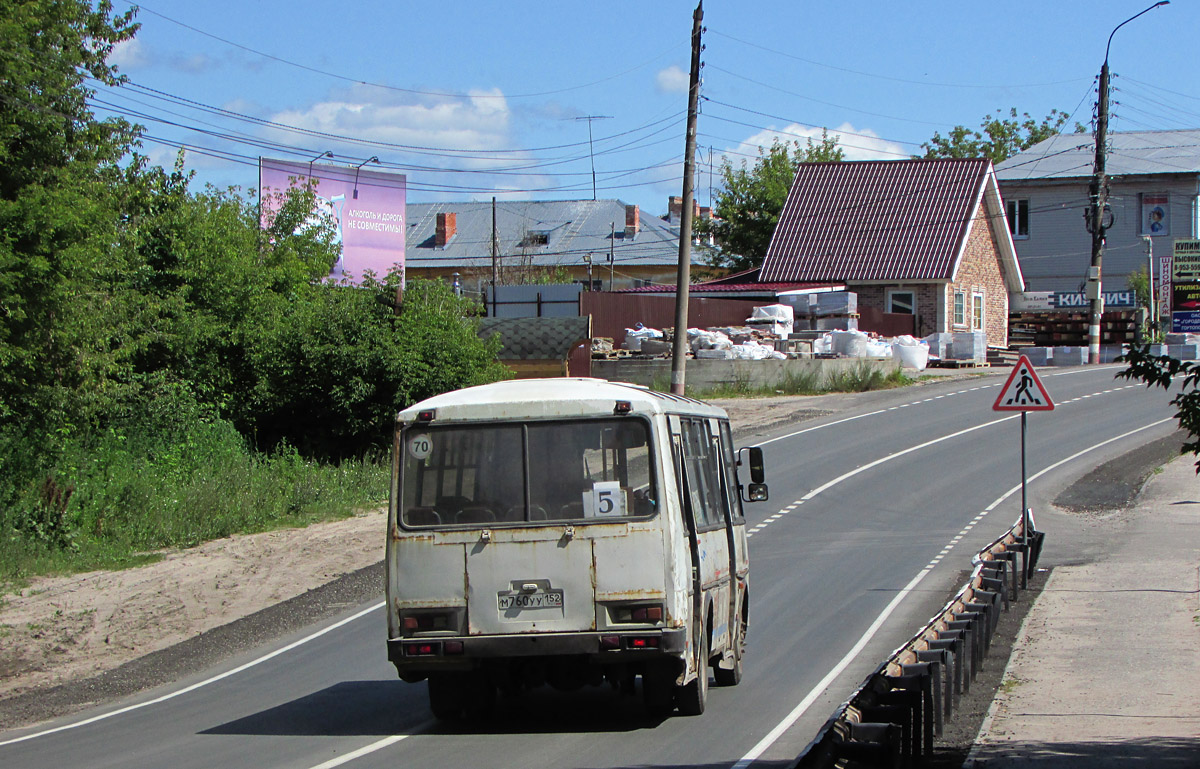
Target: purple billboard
x=365, y=206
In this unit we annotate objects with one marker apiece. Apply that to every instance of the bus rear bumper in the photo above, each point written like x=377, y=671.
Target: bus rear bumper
x=461, y=652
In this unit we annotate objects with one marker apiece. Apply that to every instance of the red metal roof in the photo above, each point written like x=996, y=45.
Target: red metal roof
x=725, y=288
x=875, y=220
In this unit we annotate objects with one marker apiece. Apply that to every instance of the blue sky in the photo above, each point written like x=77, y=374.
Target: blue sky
x=475, y=99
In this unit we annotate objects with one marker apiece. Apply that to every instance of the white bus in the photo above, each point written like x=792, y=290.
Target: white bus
x=567, y=532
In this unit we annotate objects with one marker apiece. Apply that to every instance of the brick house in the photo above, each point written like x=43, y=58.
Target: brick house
x=926, y=237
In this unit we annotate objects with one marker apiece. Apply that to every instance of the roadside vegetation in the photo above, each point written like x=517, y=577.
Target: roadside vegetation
x=862, y=377
x=172, y=369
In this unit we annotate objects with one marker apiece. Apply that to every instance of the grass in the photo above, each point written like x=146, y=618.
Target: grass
x=119, y=500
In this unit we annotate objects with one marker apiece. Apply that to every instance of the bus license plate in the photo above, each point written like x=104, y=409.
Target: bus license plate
x=551, y=599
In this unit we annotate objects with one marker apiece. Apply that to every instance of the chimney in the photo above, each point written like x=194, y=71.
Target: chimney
x=674, y=209
x=447, y=226
x=632, y=221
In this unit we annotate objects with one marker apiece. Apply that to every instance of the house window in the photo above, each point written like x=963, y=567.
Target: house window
x=1018, y=218
x=902, y=301
x=977, y=311
x=960, y=308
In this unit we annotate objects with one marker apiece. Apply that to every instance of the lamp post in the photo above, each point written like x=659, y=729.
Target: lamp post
x=357, y=168
x=325, y=154
x=1098, y=194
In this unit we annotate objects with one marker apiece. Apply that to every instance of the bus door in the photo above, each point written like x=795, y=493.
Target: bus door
x=739, y=560
x=697, y=453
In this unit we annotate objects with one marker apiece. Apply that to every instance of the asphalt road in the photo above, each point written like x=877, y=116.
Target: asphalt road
x=874, y=514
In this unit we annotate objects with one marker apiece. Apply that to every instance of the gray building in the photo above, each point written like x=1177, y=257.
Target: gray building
x=607, y=242
x=1154, y=191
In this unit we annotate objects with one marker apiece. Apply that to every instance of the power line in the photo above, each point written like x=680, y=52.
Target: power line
x=361, y=81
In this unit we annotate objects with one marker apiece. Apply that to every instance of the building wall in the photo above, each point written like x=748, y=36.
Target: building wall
x=1057, y=253
x=928, y=296
x=473, y=279
x=981, y=271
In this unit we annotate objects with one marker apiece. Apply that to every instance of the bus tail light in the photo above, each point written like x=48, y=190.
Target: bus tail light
x=414, y=623
x=646, y=614
x=643, y=642
x=422, y=649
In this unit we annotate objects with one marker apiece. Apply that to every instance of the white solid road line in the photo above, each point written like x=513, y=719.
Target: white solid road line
x=790, y=719
x=172, y=695
x=363, y=751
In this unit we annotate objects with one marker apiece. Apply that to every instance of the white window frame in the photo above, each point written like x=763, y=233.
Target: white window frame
x=1017, y=212
x=958, y=309
x=891, y=298
x=978, y=307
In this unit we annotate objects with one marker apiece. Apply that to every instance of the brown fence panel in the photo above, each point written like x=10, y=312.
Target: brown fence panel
x=886, y=323
x=612, y=313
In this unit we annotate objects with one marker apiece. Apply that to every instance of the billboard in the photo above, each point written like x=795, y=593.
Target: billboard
x=366, y=205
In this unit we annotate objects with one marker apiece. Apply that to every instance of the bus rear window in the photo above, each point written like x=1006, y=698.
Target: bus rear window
x=580, y=472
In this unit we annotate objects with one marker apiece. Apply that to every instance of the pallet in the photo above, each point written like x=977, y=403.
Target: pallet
x=611, y=354
x=951, y=363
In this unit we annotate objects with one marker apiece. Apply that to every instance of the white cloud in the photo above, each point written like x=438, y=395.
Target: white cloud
x=479, y=122
x=128, y=54
x=855, y=143
x=672, y=80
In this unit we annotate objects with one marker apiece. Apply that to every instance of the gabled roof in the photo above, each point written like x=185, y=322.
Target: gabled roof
x=541, y=233
x=885, y=221
x=1131, y=153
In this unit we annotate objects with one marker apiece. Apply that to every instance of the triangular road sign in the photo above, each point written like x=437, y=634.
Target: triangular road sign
x=1023, y=391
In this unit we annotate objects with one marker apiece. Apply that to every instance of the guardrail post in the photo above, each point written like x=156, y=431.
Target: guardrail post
x=984, y=612
x=970, y=659
x=872, y=744
x=944, y=658
x=931, y=694
x=995, y=584
x=953, y=641
x=1010, y=558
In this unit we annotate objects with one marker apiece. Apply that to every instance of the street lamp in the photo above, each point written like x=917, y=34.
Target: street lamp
x=325, y=154
x=372, y=159
x=1098, y=194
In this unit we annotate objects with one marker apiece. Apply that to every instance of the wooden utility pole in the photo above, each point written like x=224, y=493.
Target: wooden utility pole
x=1098, y=195
x=495, y=257
x=679, y=351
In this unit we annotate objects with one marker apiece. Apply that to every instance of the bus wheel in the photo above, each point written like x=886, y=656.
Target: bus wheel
x=446, y=696
x=733, y=676
x=693, y=695
x=658, y=689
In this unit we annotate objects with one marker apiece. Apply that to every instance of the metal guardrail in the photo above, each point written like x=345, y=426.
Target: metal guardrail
x=891, y=720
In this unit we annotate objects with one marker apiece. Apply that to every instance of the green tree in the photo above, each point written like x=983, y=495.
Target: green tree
x=1167, y=372
x=751, y=197
x=997, y=138
x=333, y=373
x=59, y=260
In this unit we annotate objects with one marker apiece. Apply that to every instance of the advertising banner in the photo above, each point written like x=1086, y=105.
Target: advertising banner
x=1185, y=306
x=366, y=207
x=1185, y=265
x=1156, y=214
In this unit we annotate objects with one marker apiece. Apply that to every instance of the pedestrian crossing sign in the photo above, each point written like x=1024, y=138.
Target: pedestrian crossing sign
x=1023, y=391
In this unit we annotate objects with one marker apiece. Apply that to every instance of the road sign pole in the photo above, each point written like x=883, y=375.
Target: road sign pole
x=1024, y=504
x=1024, y=392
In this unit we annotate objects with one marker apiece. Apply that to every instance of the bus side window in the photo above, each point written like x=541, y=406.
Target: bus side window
x=702, y=478
x=729, y=461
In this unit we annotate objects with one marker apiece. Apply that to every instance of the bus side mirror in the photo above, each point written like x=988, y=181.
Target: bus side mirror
x=756, y=465
x=756, y=492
